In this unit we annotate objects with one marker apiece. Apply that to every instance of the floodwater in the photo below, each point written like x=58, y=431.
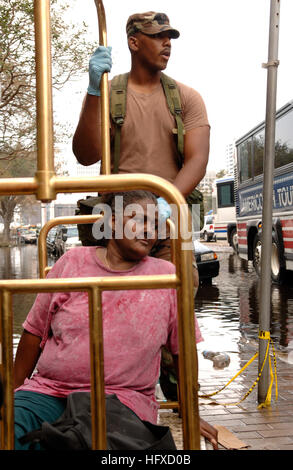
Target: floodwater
x=19, y=262
x=228, y=313
x=227, y=310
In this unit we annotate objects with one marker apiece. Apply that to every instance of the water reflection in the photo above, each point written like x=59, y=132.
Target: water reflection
x=228, y=311
x=19, y=262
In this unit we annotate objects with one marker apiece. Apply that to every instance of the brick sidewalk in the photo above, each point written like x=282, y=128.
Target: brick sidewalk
x=261, y=429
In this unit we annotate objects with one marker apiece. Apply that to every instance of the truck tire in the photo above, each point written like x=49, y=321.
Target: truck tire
x=256, y=260
x=234, y=240
x=206, y=237
x=277, y=272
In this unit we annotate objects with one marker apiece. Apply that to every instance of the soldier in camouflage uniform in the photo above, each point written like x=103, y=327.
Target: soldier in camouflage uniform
x=147, y=138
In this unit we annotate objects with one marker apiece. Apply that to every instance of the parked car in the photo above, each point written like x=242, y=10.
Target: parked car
x=28, y=236
x=208, y=230
x=207, y=262
x=50, y=242
x=66, y=238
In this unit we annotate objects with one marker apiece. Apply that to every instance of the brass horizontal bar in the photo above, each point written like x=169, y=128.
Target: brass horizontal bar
x=120, y=182
x=18, y=186
x=71, y=219
x=101, y=183
x=84, y=284
x=168, y=405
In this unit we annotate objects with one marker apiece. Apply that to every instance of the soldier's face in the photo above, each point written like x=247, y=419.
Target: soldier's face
x=153, y=51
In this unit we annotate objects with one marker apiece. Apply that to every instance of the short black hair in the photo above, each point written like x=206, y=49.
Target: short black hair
x=129, y=197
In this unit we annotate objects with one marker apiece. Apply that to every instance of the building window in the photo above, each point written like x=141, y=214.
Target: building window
x=284, y=140
x=225, y=194
x=258, y=151
x=245, y=160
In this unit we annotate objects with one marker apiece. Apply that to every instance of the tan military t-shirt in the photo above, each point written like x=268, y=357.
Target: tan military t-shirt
x=148, y=144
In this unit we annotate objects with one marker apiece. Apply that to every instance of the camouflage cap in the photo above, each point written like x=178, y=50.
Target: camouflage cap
x=150, y=23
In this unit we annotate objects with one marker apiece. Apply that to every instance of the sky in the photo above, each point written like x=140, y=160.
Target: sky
x=220, y=52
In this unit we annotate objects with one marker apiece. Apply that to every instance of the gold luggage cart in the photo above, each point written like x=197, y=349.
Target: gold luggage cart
x=46, y=185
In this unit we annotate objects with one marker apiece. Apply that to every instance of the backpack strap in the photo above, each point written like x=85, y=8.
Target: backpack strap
x=118, y=98
x=118, y=111
x=174, y=104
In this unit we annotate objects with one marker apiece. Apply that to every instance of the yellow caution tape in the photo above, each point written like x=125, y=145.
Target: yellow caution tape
x=262, y=335
x=273, y=375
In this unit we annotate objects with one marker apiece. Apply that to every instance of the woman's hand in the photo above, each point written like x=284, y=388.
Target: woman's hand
x=209, y=432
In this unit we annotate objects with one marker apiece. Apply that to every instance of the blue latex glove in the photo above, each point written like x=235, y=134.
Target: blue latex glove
x=100, y=62
x=164, y=209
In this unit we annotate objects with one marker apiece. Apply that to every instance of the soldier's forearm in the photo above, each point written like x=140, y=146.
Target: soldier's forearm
x=86, y=144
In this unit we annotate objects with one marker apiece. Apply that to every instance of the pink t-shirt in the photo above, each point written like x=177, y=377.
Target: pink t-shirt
x=136, y=323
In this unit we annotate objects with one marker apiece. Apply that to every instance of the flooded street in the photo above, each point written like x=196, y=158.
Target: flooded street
x=19, y=262
x=228, y=313
x=227, y=310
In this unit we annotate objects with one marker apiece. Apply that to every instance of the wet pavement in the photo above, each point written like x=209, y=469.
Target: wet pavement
x=227, y=313
x=259, y=429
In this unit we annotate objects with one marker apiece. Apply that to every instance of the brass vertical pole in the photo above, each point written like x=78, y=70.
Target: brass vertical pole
x=7, y=422
x=105, y=105
x=98, y=408
x=45, y=134
x=188, y=367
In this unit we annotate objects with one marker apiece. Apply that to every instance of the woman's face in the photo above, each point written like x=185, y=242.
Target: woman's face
x=140, y=229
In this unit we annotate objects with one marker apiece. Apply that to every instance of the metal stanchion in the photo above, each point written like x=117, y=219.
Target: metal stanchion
x=268, y=178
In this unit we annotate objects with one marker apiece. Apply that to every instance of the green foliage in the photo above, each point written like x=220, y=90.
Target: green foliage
x=221, y=173
x=18, y=167
x=70, y=54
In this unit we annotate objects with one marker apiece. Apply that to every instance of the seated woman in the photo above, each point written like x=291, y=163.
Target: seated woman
x=136, y=324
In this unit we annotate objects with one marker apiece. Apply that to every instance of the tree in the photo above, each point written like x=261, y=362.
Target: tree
x=70, y=52
x=14, y=167
x=221, y=173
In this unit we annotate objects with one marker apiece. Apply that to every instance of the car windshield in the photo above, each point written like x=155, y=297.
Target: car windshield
x=72, y=232
x=200, y=248
x=52, y=233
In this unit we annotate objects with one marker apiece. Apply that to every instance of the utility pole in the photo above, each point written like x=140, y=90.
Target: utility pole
x=268, y=182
